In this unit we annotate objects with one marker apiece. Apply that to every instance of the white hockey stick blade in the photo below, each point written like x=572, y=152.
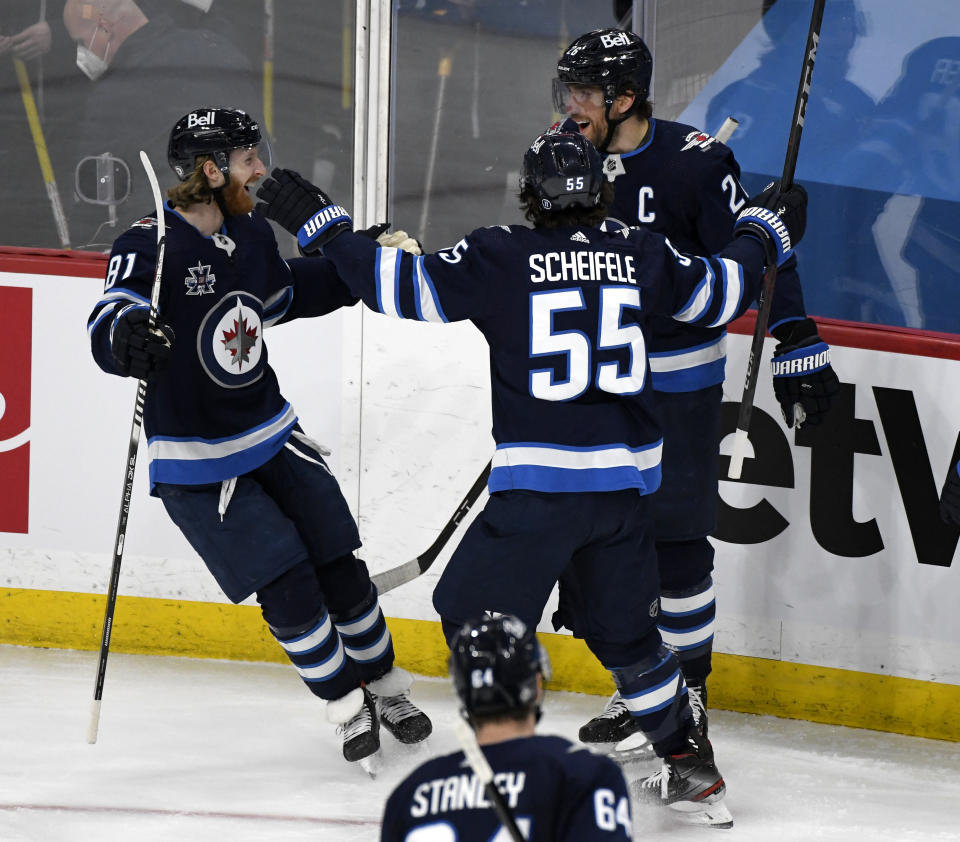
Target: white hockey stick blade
x=736, y=458
x=93, y=727
x=728, y=128
x=703, y=815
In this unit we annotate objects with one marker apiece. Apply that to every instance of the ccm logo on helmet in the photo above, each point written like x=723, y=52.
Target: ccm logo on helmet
x=195, y=119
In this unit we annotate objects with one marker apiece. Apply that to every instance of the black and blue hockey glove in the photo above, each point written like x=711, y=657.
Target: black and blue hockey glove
x=804, y=382
x=139, y=350
x=304, y=210
x=777, y=219
x=950, y=496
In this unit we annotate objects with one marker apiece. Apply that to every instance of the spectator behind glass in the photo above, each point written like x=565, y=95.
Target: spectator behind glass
x=145, y=66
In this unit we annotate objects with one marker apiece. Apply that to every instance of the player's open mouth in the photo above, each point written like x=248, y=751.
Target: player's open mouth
x=583, y=126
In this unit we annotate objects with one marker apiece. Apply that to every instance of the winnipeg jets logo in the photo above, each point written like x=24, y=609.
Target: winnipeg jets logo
x=200, y=280
x=240, y=340
x=230, y=341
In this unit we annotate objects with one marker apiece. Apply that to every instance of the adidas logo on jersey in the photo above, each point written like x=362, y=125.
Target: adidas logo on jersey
x=580, y=237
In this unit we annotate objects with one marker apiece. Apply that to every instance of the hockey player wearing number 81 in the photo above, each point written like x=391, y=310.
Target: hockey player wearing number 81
x=249, y=490
x=563, y=307
x=555, y=791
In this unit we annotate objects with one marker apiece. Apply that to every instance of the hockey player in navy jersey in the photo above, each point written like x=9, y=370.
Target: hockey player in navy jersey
x=554, y=789
x=563, y=306
x=228, y=458
x=680, y=182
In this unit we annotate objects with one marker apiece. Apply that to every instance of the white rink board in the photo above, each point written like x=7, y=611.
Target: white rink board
x=405, y=409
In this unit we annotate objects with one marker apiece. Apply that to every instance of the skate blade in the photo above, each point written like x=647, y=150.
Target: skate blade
x=703, y=815
x=634, y=748
x=372, y=763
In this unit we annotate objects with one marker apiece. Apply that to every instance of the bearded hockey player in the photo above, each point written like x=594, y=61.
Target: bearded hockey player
x=553, y=789
x=563, y=306
x=228, y=458
x=681, y=182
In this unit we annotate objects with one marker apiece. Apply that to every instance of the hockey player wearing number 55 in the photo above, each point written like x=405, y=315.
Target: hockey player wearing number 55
x=563, y=306
x=555, y=791
x=236, y=473
x=681, y=182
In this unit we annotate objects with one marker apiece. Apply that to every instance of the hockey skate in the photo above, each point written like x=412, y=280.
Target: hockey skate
x=396, y=712
x=609, y=727
x=356, y=718
x=637, y=748
x=688, y=783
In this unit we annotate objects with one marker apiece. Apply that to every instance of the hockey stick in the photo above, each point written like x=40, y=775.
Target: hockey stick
x=770, y=276
x=481, y=768
x=129, y=468
x=409, y=570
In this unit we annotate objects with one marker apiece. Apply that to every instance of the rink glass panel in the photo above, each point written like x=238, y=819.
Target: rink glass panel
x=880, y=154
x=289, y=63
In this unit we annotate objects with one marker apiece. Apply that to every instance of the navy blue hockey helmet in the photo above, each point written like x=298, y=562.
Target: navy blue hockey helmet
x=210, y=131
x=563, y=170
x=494, y=664
x=615, y=60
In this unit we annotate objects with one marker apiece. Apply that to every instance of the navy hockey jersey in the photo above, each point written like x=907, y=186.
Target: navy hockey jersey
x=216, y=411
x=554, y=789
x=685, y=185
x=563, y=311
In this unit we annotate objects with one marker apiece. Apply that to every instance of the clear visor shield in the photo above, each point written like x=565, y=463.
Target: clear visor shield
x=567, y=96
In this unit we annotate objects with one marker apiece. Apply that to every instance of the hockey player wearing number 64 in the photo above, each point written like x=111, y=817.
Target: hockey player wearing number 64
x=236, y=473
x=555, y=791
x=563, y=307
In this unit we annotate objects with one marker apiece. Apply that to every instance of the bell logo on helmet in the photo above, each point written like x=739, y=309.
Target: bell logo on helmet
x=194, y=120
x=621, y=39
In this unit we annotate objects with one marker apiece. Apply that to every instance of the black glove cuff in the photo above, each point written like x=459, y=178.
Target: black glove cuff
x=794, y=332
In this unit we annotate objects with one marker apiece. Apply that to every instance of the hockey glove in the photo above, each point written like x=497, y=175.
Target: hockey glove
x=374, y=232
x=302, y=209
x=777, y=219
x=400, y=240
x=950, y=497
x=138, y=350
x=804, y=382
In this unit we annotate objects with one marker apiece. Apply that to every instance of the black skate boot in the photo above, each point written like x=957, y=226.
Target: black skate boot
x=396, y=712
x=612, y=725
x=356, y=717
x=689, y=783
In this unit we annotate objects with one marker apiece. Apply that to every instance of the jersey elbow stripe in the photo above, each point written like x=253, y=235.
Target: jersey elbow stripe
x=699, y=303
x=428, y=304
x=387, y=286
x=731, y=274
x=276, y=307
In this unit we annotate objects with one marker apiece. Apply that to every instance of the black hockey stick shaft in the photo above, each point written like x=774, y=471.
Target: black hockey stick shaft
x=409, y=570
x=770, y=276
x=128, y=472
x=481, y=768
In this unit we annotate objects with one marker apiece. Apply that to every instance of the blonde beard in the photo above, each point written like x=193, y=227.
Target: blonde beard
x=236, y=200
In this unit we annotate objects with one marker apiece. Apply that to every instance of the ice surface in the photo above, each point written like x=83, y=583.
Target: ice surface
x=196, y=750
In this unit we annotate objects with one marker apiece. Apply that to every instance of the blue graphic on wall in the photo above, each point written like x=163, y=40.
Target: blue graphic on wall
x=880, y=153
